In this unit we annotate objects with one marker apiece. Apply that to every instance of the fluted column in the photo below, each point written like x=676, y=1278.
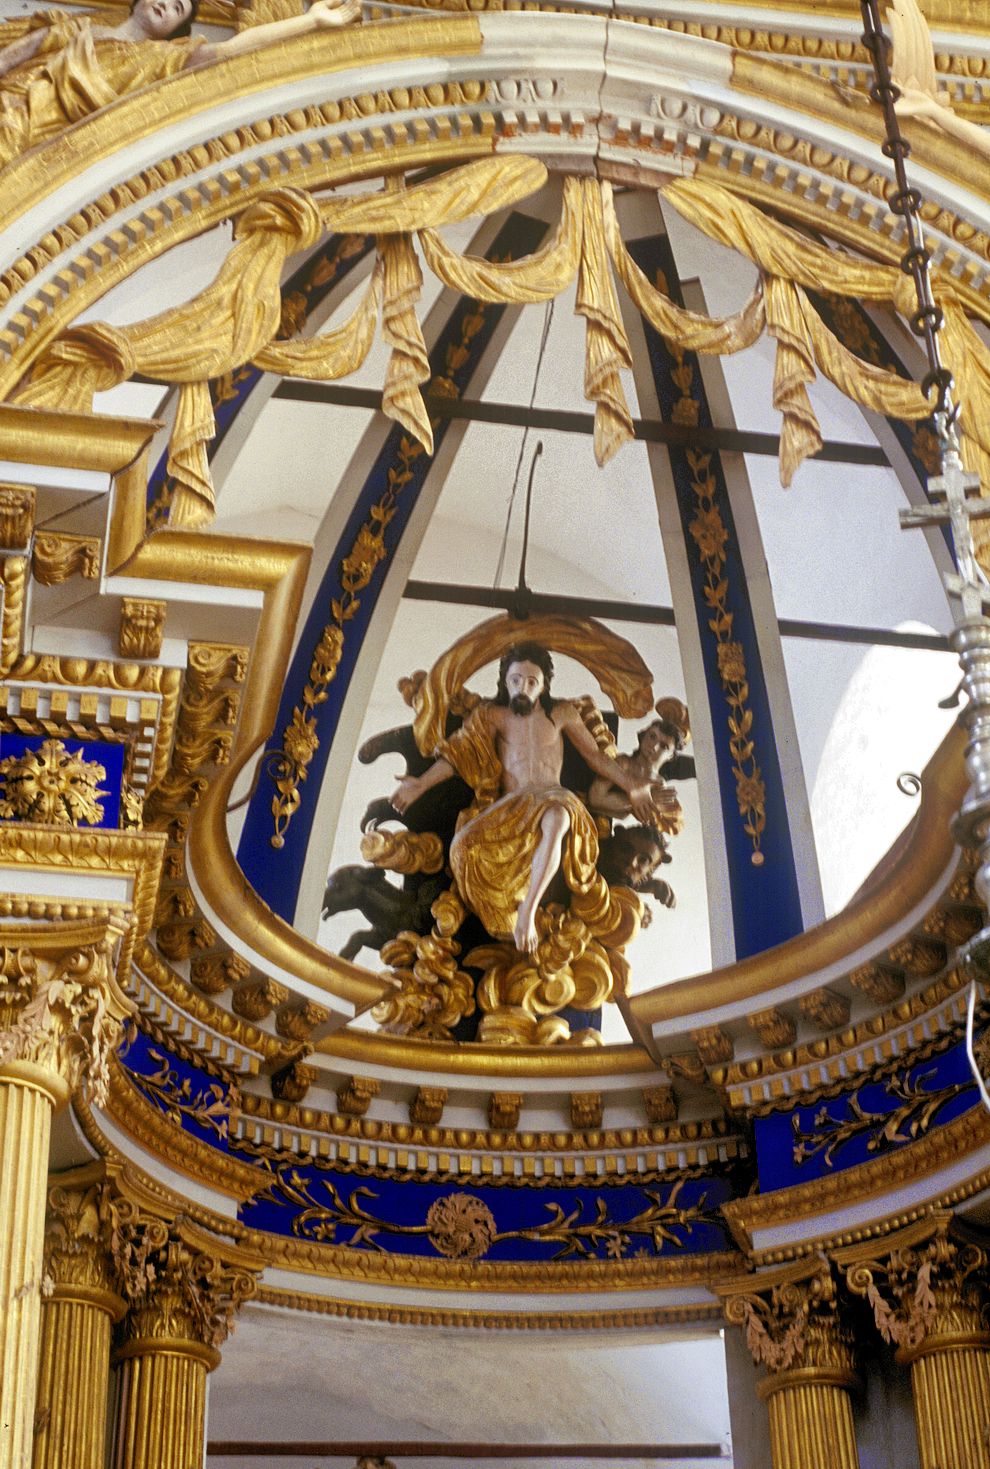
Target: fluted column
x=927, y=1298
x=76, y=1323
x=183, y=1299
x=794, y=1329
x=60, y=1010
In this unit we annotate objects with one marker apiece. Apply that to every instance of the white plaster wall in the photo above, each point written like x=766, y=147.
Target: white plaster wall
x=305, y=1378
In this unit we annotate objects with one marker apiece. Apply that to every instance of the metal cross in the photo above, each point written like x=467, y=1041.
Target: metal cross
x=958, y=503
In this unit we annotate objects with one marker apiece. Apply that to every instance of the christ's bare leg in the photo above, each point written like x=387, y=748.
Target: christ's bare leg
x=546, y=859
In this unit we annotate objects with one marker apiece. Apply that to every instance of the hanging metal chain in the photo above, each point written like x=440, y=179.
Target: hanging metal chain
x=905, y=201
x=956, y=500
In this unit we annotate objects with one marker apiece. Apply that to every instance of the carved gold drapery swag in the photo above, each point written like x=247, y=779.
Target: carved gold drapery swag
x=236, y=319
x=795, y=264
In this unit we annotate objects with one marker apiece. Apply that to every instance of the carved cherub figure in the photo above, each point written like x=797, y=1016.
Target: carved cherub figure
x=659, y=743
x=631, y=855
x=524, y=825
x=64, y=67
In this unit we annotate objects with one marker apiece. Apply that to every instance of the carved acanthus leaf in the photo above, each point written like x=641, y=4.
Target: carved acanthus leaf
x=52, y=785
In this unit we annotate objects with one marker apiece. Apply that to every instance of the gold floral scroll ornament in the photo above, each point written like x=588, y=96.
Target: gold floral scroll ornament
x=52, y=786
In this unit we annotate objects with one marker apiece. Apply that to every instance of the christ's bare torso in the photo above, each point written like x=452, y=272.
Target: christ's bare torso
x=530, y=748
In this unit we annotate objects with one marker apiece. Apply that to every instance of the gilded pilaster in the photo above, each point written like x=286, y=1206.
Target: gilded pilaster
x=794, y=1329
x=926, y=1293
x=60, y=1010
x=183, y=1296
x=77, y=1316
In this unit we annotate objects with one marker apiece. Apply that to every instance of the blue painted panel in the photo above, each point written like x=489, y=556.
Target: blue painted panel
x=102, y=752
x=807, y=1143
x=189, y=1096
x=511, y=1221
x=766, y=907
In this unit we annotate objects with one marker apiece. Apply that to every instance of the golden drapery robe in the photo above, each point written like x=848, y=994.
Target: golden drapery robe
x=492, y=854
x=74, y=74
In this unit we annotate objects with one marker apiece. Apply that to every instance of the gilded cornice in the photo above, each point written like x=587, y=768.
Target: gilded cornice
x=359, y=1047
x=521, y=1320
x=872, y=1045
x=966, y=15
x=555, y=1276
x=937, y=1150
x=813, y=97
x=181, y=97
x=133, y=855
x=73, y=440
x=375, y=1148
x=241, y=1032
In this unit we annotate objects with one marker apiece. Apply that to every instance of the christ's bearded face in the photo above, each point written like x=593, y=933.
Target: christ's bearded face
x=524, y=683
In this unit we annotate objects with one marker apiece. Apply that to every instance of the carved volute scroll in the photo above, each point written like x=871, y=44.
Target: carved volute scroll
x=176, y=1291
x=793, y=1323
x=926, y=1287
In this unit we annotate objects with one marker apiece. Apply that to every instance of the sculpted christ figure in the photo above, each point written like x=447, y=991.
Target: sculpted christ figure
x=524, y=826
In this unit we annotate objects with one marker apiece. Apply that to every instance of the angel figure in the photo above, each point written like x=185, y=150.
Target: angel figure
x=659, y=747
x=913, y=73
x=63, y=67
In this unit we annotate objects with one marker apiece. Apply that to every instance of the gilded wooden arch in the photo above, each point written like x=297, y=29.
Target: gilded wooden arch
x=63, y=247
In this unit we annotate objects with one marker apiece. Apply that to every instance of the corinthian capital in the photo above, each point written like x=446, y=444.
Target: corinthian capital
x=924, y=1283
x=182, y=1285
x=60, y=1005
x=791, y=1319
x=78, y=1233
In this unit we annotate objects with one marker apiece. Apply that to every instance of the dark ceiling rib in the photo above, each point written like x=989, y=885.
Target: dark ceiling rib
x=650, y=430
x=507, y=600
x=233, y=1449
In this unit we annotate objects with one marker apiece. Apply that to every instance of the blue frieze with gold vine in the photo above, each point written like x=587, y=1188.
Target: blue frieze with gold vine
x=870, y=1121
x=187, y=1095
x=523, y=1221
x=316, y=1200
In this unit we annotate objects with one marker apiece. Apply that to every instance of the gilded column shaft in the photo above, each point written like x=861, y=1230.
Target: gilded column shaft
x=73, y=1381
x=60, y=1012
x=76, y=1323
x=162, y=1413
x=25, y=1129
x=811, y=1425
x=950, y=1386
